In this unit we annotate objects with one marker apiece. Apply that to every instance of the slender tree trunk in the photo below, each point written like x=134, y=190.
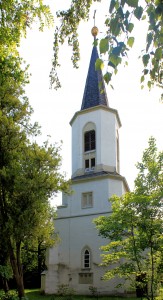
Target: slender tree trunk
x=39, y=262
x=152, y=275
x=17, y=269
x=5, y=285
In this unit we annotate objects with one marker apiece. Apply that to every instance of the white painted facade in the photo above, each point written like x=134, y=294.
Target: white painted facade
x=106, y=123
x=74, y=223
x=75, y=261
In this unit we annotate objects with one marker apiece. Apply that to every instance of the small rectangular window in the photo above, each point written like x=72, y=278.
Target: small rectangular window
x=92, y=162
x=86, y=278
x=87, y=164
x=87, y=200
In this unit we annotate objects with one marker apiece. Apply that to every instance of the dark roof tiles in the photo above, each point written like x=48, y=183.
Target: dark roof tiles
x=95, y=174
x=93, y=94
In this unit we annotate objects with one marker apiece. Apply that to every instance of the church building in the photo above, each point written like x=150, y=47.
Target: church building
x=75, y=260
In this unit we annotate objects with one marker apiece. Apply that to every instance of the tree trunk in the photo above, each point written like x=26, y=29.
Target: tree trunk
x=5, y=285
x=17, y=269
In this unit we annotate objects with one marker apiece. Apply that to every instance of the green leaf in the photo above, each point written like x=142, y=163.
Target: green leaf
x=115, y=26
x=112, y=5
x=132, y=3
x=149, y=40
x=138, y=12
x=130, y=41
x=130, y=27
x=111, y=64
x=114, y=59
x=116, y=51
x=120, y=12
x=123, y=2
x=142, y=79
x=95, y=43
x=145, y=59
x=149, y=84
x=158, y=53
x=104, y=45
x=99, y=64
x=107, y=77
x=146, y=71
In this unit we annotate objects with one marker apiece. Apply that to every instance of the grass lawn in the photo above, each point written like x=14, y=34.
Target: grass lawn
x=35, y=295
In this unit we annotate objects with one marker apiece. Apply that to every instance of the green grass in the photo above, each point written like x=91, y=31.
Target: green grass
x=36, y=295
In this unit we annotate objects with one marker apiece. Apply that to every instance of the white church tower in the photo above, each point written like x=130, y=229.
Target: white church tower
x=95, y=178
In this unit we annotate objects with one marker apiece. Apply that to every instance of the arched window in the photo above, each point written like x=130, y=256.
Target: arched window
x=89, y=140
x=86, y=259
x=89, y=147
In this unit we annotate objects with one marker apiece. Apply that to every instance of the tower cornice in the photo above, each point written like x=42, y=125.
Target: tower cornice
x=94, y=108
x=101, y=176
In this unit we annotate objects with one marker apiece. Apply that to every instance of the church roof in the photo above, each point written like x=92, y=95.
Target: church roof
x=94, y=93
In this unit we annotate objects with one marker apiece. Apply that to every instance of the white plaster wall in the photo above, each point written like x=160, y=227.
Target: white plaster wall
x=106, y=126
x=102, y=190
x=70, y=250
x=107, y=139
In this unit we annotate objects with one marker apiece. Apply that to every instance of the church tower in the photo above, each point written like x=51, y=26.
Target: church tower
x=76, y=259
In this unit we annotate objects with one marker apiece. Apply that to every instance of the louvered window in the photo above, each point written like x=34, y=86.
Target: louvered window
x=89, y=140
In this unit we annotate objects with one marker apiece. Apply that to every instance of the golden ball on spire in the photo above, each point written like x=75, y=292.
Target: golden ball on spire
x=94, y=31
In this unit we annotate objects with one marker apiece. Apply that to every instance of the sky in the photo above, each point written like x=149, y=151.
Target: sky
x=140, y=111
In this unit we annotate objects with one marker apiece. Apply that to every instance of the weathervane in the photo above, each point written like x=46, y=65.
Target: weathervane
x=94, y=16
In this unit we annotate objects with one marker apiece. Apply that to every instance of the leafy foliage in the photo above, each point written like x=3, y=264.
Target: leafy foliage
x=135, y=227
x=29, y=173
x=120, y=22
x=16, y=17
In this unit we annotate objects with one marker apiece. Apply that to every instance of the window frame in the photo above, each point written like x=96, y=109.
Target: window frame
x=86, y=258
x=89, y=140
x=88, y=203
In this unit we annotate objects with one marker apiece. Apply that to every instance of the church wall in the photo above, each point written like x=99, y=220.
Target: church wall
x=108, y=138
x=95, y=178
x=106, y=126
x=100, y=190
x=70, y=255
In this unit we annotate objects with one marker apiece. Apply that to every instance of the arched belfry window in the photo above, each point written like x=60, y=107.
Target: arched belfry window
x=89, y=140
x=89, y=147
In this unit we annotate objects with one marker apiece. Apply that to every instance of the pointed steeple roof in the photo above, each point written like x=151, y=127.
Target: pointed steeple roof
x=94, y=93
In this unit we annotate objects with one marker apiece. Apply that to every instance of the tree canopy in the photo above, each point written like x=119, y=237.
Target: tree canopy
x=135, y=228
x=118, y=37
x=29, y=172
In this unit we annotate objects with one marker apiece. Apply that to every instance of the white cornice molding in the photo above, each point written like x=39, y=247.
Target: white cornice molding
x=103, y=107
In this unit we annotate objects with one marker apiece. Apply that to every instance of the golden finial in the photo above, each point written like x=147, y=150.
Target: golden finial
x=94, y=30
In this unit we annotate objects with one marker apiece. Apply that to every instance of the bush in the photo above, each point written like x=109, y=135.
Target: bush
x=11, y=295
x=65, y=290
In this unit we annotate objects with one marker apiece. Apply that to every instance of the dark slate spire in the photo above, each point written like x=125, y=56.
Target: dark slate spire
x=93, y=94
